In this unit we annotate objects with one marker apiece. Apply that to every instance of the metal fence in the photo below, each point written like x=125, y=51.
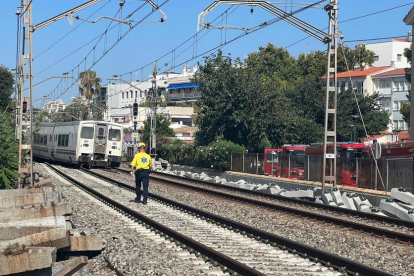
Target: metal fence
x=393, y=173
x=247, y=163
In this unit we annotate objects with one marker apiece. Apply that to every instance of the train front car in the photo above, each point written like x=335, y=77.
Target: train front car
x=86, y=144
x=114, y=145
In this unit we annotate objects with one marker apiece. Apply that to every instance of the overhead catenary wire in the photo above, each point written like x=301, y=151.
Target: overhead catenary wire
x=256, y=28
x=123, y=36
x=251, y=30
x=354, y=18
x=71, y=31
x=181, y=44
x=99, y=37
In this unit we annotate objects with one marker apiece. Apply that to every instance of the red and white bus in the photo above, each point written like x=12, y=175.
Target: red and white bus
x=347, y=153
x=288, y=161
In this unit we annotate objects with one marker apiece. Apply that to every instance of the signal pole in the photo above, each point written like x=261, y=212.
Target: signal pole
x=153, y=130
x=135, y=134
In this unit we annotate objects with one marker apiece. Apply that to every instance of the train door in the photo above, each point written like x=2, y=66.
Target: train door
x=101, y=131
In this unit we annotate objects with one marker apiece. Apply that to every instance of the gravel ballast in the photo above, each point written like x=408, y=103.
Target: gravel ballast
x=127, y=250
x=381, y=253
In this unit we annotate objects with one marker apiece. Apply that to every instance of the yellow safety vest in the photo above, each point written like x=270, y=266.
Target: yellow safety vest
x=142, y=160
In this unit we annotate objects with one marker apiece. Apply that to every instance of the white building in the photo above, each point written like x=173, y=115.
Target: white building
x=394, y=88
x=122, y=94
x=390, y=52
x=79, y=99
x=54, y=106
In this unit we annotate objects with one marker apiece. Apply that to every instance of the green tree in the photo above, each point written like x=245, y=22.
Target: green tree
x=9, y=160
x=163, y=128
x=272, y=98
x=72, y=112
x=89, y=84
x=6, y=87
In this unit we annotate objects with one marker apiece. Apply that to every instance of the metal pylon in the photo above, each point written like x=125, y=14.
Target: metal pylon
x=331, y=97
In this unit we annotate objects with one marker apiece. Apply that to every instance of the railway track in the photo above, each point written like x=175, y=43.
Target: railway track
x=262, y=237
x=308, y=214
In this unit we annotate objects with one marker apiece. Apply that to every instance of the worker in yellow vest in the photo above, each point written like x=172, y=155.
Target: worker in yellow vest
x=142, y=163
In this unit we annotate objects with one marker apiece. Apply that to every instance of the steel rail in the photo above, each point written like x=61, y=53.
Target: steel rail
x=346, y=223
x=329, y=259
x=390, y=220
x=199, y=247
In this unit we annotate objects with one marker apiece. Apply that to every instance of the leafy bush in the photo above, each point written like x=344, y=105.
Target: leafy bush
x=216, y=155
x=9, y=160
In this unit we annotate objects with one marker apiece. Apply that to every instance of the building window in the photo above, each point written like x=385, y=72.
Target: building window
x=395, y=124
x=136, y=94
x=122, y=95
x=376, y=58
x=131, y=94
x=126, y=95
x=396, y=106
x=399, y=57
x=401, y=124
x=140, y=94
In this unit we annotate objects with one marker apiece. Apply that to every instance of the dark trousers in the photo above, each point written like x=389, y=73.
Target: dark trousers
x=142, y=176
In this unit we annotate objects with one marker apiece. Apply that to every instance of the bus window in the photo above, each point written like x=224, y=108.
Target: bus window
x=272, y=155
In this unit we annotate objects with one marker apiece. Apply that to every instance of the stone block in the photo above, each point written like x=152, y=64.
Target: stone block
x=85, y=243
x=35, y=213
x=347, y=199
x=395, y=209
x=69, y=267
x=327, y=198
x=336, y=195
x=299, y=194
x=402, y=195
x=362, y=203
x=28, y=259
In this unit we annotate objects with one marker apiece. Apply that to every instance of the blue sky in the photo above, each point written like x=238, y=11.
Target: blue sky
x=148, y=41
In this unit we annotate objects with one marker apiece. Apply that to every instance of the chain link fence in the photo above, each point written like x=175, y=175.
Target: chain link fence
x=393, y=173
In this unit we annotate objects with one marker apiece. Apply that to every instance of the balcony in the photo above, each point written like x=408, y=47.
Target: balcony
x=183, y=96
x=386, y=92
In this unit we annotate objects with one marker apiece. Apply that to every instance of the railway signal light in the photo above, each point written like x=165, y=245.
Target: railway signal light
x=24, y=107
x=135, y=109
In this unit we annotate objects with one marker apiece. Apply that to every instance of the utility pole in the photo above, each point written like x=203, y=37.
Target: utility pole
x=331, y=93
x=31, y=89
x=153, y=131
x=30, y=28
x=330, y=38
x=27, y=21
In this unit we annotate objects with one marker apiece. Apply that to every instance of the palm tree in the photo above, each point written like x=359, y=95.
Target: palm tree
x=89, y=84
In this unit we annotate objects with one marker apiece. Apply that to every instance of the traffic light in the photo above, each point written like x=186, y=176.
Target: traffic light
x=135, y=109
x=24, y=107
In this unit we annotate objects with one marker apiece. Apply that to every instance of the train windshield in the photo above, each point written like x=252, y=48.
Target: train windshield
x=114, y=135
x=272, y=157
x=353, y=153
x=297, y=158
x=87, y=133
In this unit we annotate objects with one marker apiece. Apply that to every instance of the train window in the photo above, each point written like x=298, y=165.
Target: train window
x=87, y=133
x=59, y=140
x=45, y=140
x=100, y=133
x=41, y=140
x=114, y=135
x=66, y=140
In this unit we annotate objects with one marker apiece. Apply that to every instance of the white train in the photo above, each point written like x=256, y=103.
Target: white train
x=87, y=143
